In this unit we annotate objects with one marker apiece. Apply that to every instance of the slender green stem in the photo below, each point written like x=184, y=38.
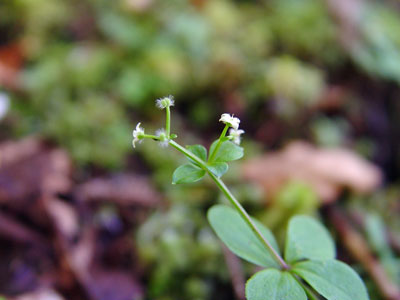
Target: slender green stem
x=168, y=121
x=150, y=136
x=212, y=155
x=234, y=202
x=189, y=154
x=248, y=219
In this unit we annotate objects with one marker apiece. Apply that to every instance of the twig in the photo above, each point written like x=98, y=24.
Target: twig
x=359, y=249
x=236, y=273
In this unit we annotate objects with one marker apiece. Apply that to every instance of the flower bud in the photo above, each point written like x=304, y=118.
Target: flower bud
x=165, y=102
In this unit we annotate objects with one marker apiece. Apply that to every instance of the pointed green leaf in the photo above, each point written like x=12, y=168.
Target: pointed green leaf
x=332, y=279
x=228, y=151
x=187, y=174
x=218, y=168
x=198, y=150
x=272, y=284
x=240, y=239
x=307, y=239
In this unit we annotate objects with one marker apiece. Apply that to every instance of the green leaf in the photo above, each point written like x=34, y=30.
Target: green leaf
x=199, y=151
x=332, y=279
x=308, y=239
x=187, y=174
x=273, y=284
x=240, y=239
x=218, y=168
x=228, y=151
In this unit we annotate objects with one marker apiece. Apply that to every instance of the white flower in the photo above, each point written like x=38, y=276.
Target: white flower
x=165, y=102
x=231, y=120
x=162, y=135
x=137, y=134
x=235, y=135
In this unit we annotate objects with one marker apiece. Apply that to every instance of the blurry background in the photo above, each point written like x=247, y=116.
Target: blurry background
x=316, y=84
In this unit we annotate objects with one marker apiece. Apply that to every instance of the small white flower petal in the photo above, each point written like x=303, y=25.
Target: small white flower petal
x=231, y=120
x=137, y=133
x=235, y=134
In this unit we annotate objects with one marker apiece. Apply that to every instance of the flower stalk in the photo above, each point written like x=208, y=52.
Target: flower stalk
x=223, y=134
x=166, y=138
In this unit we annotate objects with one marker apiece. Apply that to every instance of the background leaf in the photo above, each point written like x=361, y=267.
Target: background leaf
x=273, y=284
x=187, y=174
x=218, y=168
x=308, y=239
x=332, y=279
x=237, y=235
x=198, y=150
x=228, y=151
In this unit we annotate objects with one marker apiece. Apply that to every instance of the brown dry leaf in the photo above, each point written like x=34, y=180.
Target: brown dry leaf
x=28, y=168
x=328, y=171
x=80, y=256
x=99, y=282
x=11, y=59
x=64, y=217
x=41, y=294
x=12, y=151
x=116, y=285
x=124, y=189
x=13, y=230
x=139, y=5
x=348, y=15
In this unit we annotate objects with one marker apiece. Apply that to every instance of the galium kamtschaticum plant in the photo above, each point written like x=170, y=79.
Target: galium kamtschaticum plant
x=306, y=269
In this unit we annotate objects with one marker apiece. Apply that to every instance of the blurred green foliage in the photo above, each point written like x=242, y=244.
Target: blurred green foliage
x=93, y=68
x=123, y=54
x=380, y=224
x=295, y=198
x=183, y=252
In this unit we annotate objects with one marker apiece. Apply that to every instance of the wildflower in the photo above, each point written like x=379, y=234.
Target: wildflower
x=162, y=137
x=235, y=134
x=137, y=134
x=165, y=102
x=231, y=120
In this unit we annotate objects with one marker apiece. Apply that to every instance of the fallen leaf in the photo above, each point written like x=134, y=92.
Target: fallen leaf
x=328, y=171
x=41, y=294
x=116, y=285
x=64, y=217
x=11, y=59
x=28, y=168
x=123, y=189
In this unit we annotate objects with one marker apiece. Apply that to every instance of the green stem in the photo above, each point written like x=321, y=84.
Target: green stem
x=234, y=202
x=168, y=121
x=212, y=155
x=150, y=136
